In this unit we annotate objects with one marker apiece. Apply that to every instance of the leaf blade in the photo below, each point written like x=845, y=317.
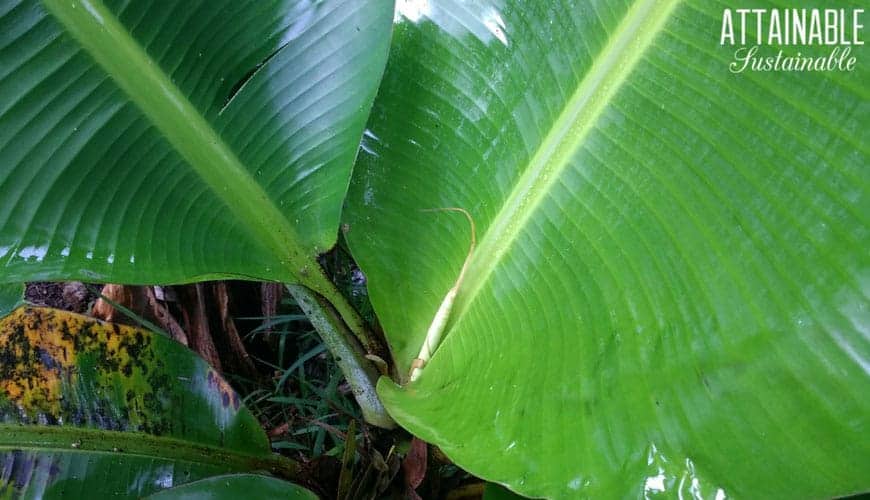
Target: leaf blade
x=112, y=46
x=234, y=486
x=92, y=407
x=684, y=297
x=11, y=296
x=133, y=173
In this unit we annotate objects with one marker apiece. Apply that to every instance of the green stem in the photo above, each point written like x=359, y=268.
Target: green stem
x=320, y=283
x=347, y=352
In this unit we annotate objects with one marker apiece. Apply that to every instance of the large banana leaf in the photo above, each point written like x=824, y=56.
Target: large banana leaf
x=670, y=288
x=95, y=410
x=129, y=153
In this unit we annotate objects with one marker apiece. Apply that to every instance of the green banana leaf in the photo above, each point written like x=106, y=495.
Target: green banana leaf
x=134, y=150
x=11, y=296
x=233, y=487
x=669, y=293
x=493, y=491
x=97, y=410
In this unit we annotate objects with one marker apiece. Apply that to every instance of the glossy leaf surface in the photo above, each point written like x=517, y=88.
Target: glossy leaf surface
x=133, y=149
x=670, y=288
x=233, y=487
x=95, y=409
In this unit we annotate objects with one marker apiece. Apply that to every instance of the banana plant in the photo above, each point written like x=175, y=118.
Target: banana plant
x=666, y=291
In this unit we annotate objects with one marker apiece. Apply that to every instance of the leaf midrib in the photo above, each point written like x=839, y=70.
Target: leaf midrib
x=85, y=440
x=624, y=49
x=107, y=41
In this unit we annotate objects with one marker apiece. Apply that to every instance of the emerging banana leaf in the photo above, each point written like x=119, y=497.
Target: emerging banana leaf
x=670, y=289
x=97, y=410
x=175, y=141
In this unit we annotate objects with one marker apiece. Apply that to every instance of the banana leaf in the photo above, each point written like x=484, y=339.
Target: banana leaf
x=669, y=292
x=165, y=142
x=96, y=410
x=11, y=296
x=232, y=487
